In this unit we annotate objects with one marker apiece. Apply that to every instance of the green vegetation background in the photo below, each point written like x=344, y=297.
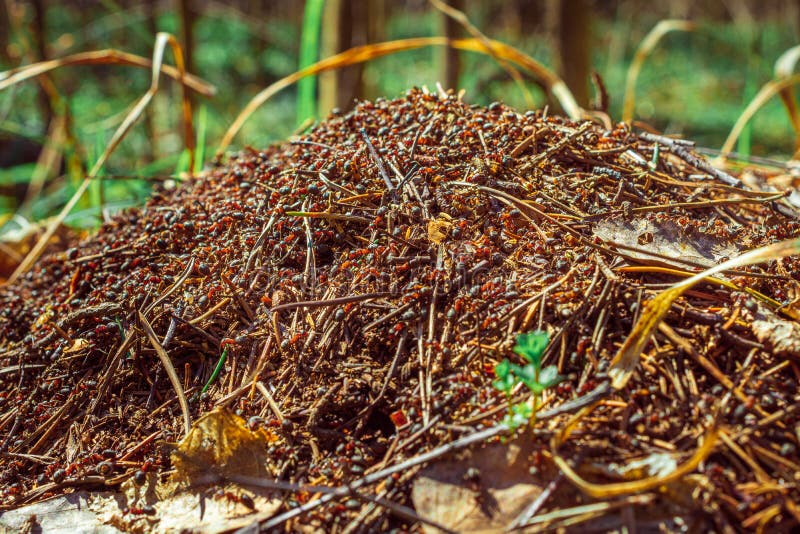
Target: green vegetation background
x=694, y=84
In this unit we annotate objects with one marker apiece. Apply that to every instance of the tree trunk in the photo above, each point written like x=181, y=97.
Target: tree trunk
x=39, y=42
x=5, y=35
x=187, y=17
x=573, y=46
x=450, y=57
x=345, y=25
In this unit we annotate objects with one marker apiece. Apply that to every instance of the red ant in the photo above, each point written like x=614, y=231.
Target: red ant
x=242, y=498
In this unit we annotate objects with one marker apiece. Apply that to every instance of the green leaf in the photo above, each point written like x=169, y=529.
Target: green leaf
x=502, y=369
x=505, y=378
x=519, y=415
x=523, y=409
x=504, y=384
x=526, y=374
x=549, y=376
x=537, y=388
x=532, y=345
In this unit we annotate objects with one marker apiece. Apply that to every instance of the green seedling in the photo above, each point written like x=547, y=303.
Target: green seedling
x=531, y=347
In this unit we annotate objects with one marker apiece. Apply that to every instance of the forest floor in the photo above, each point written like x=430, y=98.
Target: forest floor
x=318, y=325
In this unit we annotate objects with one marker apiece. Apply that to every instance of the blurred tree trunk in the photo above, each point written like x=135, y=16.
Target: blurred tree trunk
x=151, y=151
x=187, y=17
x=573, y=45
x=331, y=37
x=39, y=45
x=258, y=10
x=450, y=59
x=345, y=24
x=5, y=35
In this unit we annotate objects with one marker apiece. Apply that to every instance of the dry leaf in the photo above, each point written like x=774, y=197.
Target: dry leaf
x=77, y=345
x=194, y=499
x=667, y=239
x=199, y=511
x=439, y=228
x=65, y=514
x=221, y=444
x=450, y=493
x=781, y=336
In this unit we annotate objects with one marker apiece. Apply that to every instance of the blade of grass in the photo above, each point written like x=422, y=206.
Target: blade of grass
x=162, y=39
x=767, y=91
x=95, y=193
x=627, y=359
x=49, y=160
x=217, y=369
x=309, y=51
x=360, y=54
x=711, y=280
x=605, y=491
x=202, y=138
x=646, y=47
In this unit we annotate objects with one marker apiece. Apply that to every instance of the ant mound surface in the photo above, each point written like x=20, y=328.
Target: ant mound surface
x=351, y=292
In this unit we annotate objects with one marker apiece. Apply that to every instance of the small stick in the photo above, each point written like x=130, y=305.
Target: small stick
x=270, y=400
x=379, y=163
x=330, y=302
x=112, y=368
x=558, y=147
x=173, y=376
x=239, y=299
x=664, y=140
x=210, y=312
x=146, y=441
x=704, y=165
x=178, y=283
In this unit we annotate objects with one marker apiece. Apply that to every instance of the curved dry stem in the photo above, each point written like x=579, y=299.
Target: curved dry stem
x=361, y=54
x=171, y=373
x=627, y=359
x=646, y=47
x=108, y=56
x=606, y=491
x=162, y=39
x=461, y=18
x=767, y=91
x=784, y=67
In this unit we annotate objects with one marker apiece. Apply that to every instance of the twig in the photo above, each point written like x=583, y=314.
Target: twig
x=374, y=153
x=330, y=302
x=174, y=287
x=173, y=376
x=478, y=437
x=270, y=400
x=704, y=165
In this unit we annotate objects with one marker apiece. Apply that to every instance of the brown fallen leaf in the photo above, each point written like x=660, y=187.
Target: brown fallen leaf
x=483, y=493
x=781, y=336
x=439, y=228
x=220, y=443
x=197, y=498
x=209, y=510
x=666, y=239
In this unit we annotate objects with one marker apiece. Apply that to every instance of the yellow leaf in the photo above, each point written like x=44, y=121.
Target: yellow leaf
x=439, y=228
x=220, y=444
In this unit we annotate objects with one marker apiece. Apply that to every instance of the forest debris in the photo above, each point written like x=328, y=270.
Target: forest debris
x=220, y=444
x=64, y=514
x=363, y=307
x=781, y=336
x=484, y=492
x=666, y=242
